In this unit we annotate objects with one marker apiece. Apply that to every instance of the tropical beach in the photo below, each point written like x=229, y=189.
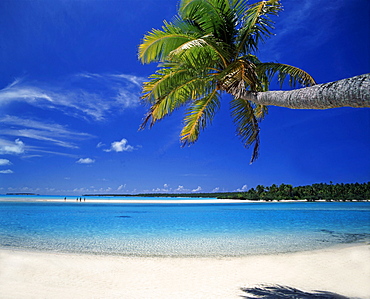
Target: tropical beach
x=25, y=274
x=181, y=248
x=93, y=205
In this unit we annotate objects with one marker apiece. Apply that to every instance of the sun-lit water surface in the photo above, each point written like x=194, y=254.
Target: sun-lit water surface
x=176, y=229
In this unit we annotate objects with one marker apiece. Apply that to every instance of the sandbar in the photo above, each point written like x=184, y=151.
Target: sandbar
x=156, y=201
x=343, y=270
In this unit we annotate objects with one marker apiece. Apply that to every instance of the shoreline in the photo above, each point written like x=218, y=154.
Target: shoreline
x=141, y=201
x=340, y=269
x=170, y=200
x=332, y=247
x=161, y=200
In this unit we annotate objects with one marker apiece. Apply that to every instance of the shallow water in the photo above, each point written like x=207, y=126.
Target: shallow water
x=174, y=229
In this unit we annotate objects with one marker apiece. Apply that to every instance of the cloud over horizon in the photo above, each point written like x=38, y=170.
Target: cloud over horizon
x=199, y=188
x=242, y=189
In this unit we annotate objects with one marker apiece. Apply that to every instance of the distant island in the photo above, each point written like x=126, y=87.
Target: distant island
x=20, y=193
x=314, y=192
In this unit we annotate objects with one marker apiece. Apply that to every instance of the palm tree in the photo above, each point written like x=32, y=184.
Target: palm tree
x=209, y=49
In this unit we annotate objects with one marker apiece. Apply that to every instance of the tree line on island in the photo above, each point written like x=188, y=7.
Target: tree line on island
x=314, y=192
x=321, y=191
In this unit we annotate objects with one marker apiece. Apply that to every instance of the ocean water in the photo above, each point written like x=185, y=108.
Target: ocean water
x=176, y=229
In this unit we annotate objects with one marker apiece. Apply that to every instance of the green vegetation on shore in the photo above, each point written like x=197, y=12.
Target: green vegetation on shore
x=321, y=191
x=22, y=193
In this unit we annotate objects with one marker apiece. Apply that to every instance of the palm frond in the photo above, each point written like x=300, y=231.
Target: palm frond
x=263, y=79
x=160, y=83
x=243, y=113
x=201, y=51
x=157, y=44
x=213, y=16
x=238, y=77
x=239, y=7
x=296, y=75
x=260, y=111
x=198, y=116
x=250, y=57
x=169, y=89
x=257, y=25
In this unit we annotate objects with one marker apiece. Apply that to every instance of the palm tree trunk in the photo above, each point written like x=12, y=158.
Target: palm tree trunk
x=352, y=92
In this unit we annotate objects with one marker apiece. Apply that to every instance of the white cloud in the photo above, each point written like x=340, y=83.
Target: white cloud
x=80, y=190
x=180, y=189
x=85, y=161
x=15, y=148
x=124, y=98
x=39, y=150
x=5, y=162
x=120, y=146
x=216, y=189
x=121, y=187
x=199, y=188
x=92, y=96
x=13, y=92
x=164, y=189
x=38, y=130
x=243, y=189
x=138, y=81
x=6, y=171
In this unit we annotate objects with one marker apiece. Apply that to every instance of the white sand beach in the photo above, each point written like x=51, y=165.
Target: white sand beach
x=156, y=201
x=23, y=274
x=130, y=200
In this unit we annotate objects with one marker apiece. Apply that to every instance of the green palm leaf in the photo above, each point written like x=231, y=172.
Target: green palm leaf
x=260, y=111
x=246, y=122
x=257, y=25
x=216, y=16
x=169, y=89
x=157, y=44
x=159, y=84
x=199, y=115
x=197, y=52
x=296, y=75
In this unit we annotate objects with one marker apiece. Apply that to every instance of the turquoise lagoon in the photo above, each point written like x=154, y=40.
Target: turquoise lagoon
x=179, y=229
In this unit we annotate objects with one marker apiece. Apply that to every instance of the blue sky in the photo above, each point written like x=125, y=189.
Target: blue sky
x=70, y=111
